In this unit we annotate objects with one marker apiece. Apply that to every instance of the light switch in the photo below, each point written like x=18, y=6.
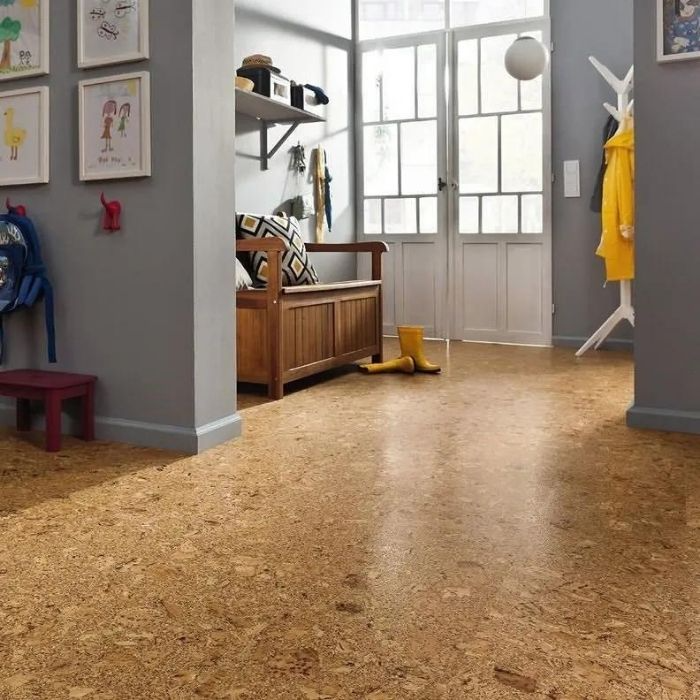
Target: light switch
x=572, y=178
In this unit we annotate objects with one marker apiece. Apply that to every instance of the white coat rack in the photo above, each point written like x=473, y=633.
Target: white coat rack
x=624, y=312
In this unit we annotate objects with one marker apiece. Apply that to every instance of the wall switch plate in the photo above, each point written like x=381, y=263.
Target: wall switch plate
x=572, y=178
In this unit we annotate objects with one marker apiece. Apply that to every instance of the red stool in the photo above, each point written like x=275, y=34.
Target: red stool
x=51, y=388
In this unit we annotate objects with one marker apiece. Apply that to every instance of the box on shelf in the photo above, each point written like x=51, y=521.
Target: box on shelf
x=303, y=98
x=269, y=84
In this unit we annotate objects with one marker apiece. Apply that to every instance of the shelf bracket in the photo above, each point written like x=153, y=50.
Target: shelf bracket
x=266, y=154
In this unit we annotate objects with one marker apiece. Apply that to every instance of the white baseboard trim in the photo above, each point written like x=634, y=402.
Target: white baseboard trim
x=165, y=437
x=664, y=420
x=567, y=341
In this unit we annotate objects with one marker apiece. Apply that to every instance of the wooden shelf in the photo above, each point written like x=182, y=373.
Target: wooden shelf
x=271, y=111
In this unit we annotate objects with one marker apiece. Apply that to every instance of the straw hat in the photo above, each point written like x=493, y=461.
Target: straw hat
x=259, y=60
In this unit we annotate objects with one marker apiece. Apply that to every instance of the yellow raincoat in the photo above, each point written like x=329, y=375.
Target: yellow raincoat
x=617, y=242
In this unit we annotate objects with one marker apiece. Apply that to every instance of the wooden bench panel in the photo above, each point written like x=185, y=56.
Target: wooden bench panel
x=308, y=335
x=253, y=347
x=356, y=326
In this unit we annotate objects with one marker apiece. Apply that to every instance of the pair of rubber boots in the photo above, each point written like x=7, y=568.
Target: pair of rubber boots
x=412, y=358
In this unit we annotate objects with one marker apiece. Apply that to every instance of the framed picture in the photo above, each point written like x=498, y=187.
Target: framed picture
x=115, y=127
x=24, y=148
x=111, y=31
x=678, y=30
x=24, y=36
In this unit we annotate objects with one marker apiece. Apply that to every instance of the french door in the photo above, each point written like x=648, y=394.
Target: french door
x=455, y=175
x=402, y=164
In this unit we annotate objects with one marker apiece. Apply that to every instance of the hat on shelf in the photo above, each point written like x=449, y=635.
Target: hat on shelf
x=244, y=84
x=259, y=60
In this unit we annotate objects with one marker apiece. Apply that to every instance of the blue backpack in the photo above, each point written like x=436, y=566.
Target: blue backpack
x=23, y=280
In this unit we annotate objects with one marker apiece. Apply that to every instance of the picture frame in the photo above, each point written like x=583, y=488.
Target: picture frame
x=24, y=39
x=115, y=127
x=678, y=30
x=112, y=32
x=24, y=148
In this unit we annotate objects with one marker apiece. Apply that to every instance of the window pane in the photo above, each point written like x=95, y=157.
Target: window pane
x=532, y=213
x=381, y=160
x=399, y=83
x=469, y=215
x=427, y=81
x=373, y=215
x=521, y=152
x=400, y=216
x=467, y=12
x=371, y=86
x=379, y=18
x=419, y=157
x=478, y=155
x=531, y=94
x=500, y=214
x=428, y=215
x=531, y=90
x=468, y=77
x=499, y=91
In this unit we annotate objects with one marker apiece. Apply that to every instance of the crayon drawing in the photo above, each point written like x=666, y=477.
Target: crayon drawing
x=111, y=31
x=24, y=38
x=115, y=127
x=24, y=136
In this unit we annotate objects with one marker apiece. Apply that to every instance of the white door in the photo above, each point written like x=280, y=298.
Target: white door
x=402, y=162
x=500, y=242
x=469, y=235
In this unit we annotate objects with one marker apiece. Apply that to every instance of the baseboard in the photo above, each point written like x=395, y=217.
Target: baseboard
x=165, y=437
x=567, y=341
x=169, y=437
x=664, y=420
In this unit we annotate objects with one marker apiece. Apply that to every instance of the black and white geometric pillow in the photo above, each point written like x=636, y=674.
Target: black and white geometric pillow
x=296, y=266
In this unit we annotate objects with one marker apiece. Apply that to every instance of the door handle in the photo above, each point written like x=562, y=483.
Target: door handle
x=441, y=184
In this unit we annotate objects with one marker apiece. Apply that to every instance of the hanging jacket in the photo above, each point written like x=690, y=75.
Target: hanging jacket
x=617, y=242
x=611, y=126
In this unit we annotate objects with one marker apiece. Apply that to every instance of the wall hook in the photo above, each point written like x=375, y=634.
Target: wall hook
x=113, y=211
x=19, y=210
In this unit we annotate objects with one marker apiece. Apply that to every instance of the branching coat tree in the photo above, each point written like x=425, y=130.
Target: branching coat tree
x=10, y=29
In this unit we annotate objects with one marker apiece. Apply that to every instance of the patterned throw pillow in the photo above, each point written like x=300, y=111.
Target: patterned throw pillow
x=296, y=266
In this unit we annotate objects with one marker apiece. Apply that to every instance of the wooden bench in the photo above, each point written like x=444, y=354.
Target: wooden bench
x=52, y=388
x=288, y=333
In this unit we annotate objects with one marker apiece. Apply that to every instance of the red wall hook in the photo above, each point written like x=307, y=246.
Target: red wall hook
x=113, y=211
x=19, y=210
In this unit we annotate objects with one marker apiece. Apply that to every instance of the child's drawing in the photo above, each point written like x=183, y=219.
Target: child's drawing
x=112, y=31
x=24, y=133
x=115, y=127
x=14, y=136
x=23, y=38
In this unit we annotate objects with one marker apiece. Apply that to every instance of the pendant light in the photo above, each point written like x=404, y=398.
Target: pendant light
x=527, y=58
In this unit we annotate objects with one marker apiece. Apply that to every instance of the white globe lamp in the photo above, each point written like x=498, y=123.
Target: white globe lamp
x=527, y=58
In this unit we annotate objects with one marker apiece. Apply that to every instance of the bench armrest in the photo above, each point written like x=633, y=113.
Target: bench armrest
x=377, y=248
x=371, y=247
x=259, y=245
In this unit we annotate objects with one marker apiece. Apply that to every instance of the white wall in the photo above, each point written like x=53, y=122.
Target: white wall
x=311, y=42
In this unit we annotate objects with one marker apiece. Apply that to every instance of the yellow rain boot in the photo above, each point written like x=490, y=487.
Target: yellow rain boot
x=411, y=339
x=401, y=364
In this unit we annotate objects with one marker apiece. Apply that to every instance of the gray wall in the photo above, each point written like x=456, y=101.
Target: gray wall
x=668, y=240
x=311, y=42
x=581, y=28
x=125, y=303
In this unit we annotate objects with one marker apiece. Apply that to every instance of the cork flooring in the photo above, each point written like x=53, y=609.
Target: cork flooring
x=494, y=532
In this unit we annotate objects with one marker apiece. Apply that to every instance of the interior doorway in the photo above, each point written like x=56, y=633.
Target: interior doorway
x=455, y=175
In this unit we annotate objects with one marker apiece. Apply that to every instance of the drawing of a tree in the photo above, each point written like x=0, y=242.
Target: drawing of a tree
x=10, y=29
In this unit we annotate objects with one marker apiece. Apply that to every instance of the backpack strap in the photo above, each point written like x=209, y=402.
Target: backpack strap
x=49, y=316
